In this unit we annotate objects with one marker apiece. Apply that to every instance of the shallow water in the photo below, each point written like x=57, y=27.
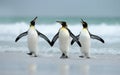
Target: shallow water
x=107, y=28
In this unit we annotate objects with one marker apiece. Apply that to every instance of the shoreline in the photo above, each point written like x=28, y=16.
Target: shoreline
x=12, y=63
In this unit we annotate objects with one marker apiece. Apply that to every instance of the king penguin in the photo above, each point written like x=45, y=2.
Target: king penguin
x=64, y=39
x=32, y=38
x=84, y=38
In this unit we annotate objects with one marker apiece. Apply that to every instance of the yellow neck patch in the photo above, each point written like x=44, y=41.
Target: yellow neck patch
x=63, y=28
x=84, y=29
x=32, y=27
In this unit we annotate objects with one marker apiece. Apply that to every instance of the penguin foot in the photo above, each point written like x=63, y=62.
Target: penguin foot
x=35, y=56
x=88, y=57
x=64, y=56
x=81, y=56
x=30, y=53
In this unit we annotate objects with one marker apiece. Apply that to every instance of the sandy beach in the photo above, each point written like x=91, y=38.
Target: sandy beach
x=18, y=16
x=19, y=63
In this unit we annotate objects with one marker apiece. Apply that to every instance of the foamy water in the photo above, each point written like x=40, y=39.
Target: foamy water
x=110, y=33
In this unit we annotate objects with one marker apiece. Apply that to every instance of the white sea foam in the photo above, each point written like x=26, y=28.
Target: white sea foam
x=110, y=33
x=10, y=31
x=102, y=29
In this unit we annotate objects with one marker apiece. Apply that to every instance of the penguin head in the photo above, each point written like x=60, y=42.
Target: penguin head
x=63, y=23
x=85, y=25
x=32, y=23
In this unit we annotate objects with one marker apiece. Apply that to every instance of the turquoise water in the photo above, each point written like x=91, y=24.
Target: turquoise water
x=52, y=20
x=107, y=28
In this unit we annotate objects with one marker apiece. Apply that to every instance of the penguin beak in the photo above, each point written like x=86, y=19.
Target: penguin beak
x=35, y=19
x=59, y=22
x=63, y=23
x=82, y=21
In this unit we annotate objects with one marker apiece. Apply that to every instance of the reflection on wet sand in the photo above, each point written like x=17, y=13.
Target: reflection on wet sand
x=84, y=69
x=79, y=69
x=32, y=69
x=64, y=69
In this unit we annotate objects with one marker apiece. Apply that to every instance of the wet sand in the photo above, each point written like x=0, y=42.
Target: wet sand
x=19, y=63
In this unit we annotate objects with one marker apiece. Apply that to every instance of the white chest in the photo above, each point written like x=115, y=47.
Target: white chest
x=84, y=35
x=64, y=40
x=63, y=34
x=32, y=37
x=32, y=34
x=84, y=39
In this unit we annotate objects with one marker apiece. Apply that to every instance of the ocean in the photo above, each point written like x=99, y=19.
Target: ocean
x=107, y=28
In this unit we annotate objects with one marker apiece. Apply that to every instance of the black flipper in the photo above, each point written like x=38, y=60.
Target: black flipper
x=96, y=37
x=43, y=36
x=74, y=38
x=21, y=35
x=54, y=39
x=72, y=42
